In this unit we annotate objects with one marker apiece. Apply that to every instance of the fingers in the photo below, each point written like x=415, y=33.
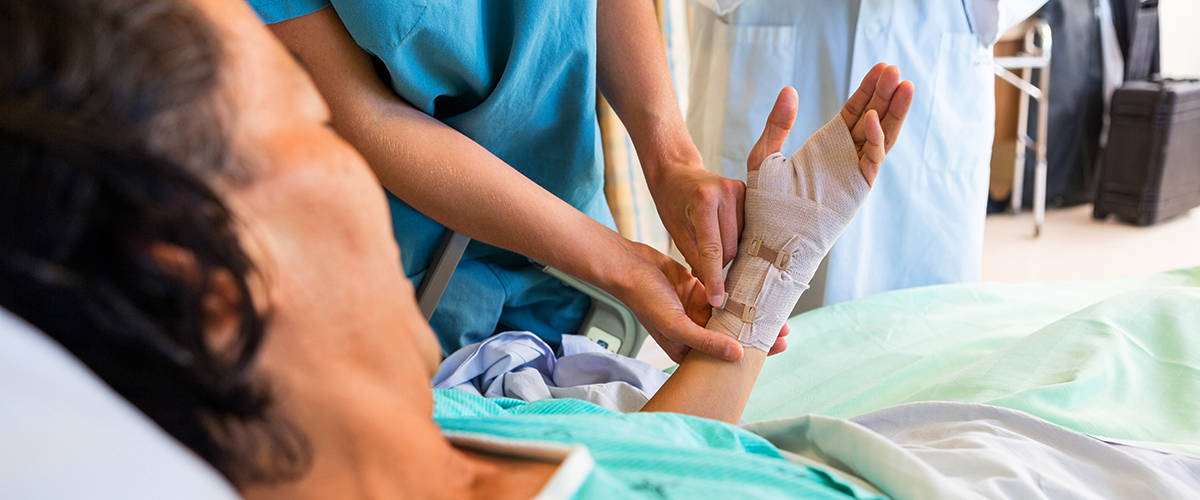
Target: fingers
x=674, y=350
x=885, y=88
x=707, y=228
x=857, y=105
x=872, y=153
x=779, y=123
x=703, y=214
x=714, y=344
x=696, y=303
x=780, y=346
x=780, y=342
x=898, y=109
x=729, y=221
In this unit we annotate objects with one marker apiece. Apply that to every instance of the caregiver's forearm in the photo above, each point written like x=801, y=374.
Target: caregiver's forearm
x=632, y=73
x=438, y=170
x=709, y=387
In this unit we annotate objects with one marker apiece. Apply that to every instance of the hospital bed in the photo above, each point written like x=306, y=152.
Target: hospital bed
x=1118, y=358
x=1030, y=347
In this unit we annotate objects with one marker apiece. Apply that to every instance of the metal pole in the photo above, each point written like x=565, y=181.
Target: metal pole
x=1039, y=182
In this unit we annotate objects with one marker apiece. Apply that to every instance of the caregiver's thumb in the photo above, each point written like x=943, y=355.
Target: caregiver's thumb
x=779, y=123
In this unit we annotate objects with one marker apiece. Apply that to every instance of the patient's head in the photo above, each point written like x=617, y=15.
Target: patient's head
x=178, y=215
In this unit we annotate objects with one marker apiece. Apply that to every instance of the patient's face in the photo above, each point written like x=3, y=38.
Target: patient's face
x=316, y=221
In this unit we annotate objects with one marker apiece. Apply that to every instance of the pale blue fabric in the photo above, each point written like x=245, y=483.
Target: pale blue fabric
x=654, y=455
x=520, y=365
x=923, y=223
x=519, y=79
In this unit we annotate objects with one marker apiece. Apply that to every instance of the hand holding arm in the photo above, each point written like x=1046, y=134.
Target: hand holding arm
x=717, y=389
x=435, y=168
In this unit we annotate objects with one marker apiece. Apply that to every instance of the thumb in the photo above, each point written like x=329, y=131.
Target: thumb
x=701, y=339
x=779, y=123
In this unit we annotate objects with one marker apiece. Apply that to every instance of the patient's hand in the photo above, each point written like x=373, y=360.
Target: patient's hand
x=796, y=206
x=881, y=93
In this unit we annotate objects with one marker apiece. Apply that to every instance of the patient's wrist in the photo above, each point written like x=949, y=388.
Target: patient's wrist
x=795, y=209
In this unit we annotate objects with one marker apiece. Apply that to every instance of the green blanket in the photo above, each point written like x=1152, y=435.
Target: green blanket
x=1119, y=359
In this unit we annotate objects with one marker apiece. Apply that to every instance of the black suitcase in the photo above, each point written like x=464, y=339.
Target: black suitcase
x=1151, y=169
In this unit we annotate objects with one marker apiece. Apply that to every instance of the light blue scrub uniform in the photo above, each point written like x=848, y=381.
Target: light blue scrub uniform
x=519, y=78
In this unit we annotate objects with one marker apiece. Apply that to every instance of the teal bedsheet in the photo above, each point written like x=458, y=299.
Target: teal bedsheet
x=1119, y=358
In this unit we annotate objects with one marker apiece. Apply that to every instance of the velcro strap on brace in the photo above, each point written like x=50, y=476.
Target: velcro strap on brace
x=777, y=258
x=743, y=311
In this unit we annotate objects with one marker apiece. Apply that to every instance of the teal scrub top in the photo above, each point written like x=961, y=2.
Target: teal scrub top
x=647, y=455
x=517, y=77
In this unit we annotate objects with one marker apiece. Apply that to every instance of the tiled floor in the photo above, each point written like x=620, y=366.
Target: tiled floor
x=1072, y=246
x=1075, y=246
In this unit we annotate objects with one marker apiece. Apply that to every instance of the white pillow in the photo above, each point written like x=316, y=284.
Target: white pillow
x=65, y=434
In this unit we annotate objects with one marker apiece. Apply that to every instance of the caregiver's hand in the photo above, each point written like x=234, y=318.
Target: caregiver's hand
x=703, y=213
x=671, y=304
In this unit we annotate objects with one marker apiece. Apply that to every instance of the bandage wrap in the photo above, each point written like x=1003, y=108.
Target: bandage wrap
x=795, y=209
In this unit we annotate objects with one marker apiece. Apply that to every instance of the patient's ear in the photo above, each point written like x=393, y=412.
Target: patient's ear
x=221, y=301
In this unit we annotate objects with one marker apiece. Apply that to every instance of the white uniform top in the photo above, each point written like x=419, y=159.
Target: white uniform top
x=923, y=223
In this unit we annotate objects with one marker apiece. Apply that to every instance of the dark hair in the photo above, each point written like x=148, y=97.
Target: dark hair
x=109, y=137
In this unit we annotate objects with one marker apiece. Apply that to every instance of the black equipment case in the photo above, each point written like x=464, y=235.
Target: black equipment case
x=1151, y=168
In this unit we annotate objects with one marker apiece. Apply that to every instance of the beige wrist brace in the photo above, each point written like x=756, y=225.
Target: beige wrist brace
x=795, y=209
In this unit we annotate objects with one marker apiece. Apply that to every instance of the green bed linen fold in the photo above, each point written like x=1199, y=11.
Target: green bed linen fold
x=1118, y=358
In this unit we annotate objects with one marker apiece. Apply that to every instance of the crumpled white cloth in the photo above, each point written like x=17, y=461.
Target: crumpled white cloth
x=522, y=366
x=948, y=450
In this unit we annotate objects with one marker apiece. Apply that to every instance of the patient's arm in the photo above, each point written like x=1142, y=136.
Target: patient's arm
x=795, y=209
x=709, y=387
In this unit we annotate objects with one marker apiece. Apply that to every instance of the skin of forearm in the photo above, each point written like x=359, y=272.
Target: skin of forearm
x=709, y=387
x=633, y=74
x=421, y=160
x=492, y=202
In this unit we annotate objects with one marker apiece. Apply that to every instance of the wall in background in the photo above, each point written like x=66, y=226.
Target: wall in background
x=1178, y=21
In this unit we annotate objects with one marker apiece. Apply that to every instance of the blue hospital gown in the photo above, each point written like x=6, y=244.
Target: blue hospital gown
x=647, y=455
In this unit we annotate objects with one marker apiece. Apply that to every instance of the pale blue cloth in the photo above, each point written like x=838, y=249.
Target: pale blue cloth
x=520, y=365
